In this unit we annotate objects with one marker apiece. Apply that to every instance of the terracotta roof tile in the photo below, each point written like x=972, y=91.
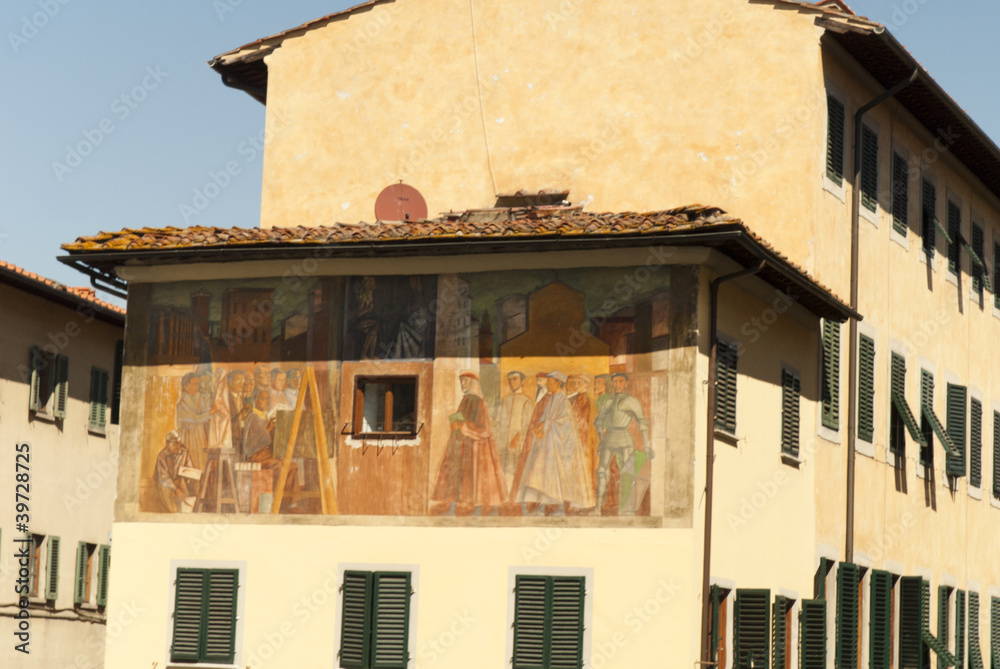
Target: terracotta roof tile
x=80, y=293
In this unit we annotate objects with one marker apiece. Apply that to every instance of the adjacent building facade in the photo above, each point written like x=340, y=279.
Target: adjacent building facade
x=571, y=450
x=59, y=392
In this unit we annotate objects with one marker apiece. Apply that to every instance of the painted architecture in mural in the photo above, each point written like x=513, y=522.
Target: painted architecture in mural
x=495, y=394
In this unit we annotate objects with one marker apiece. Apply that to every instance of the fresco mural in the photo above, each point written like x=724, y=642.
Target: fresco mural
x=499, y=394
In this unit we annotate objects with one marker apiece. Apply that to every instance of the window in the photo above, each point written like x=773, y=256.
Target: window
x=932, y=425
x=835, y=140
x=866, y=389
x=848, y=580
x=375, y=620
x=116, y=401
x=812, y=634
x=954, y=231
x=960, y=628
x=996, y=273
x=720, y=617
x=103, y=574
x=976, y=444
x=49, y=578
x=915, y=638
x=975, y=648
x=901, y=418
x=944, y=606
x=955, y=462
x=205, y=603
x=790, y=392
x=84, y=571
x=995, y=632
x=928, y=221
x=49, y=385
x=869, y=168
x=831, y=374
x=900, y=193
x=752, y=629
x=996, y=457
x=880, y=624
x=385, y=405
x=98, y=398
x=976, y=256
x=726, y=359
x=781, y=632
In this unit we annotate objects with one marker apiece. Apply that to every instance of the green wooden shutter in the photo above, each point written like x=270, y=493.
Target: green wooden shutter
x=996, y=274
x=869, y=168
x=790, y=391
x=928, y=215
x=956, y=429
x=81, y=572
x=976, y=444
x=355, y=643
x=831, y=374
x=954, y=230
x=901, y=416
x=725, y=386
x=116, y=399
x=219, y=629
x=779, y=634
x=548, y=622
x=912, y=654
x=103, y=574
x=975, y=648
x=819, y=580
x=189, y=593
x=530, y=609
x=996, y=455
x=848, y=576
x=812, y=634
x=944, y=593
x=880, y=620
x=752, y=628
x=52, y=569
x=994, y=632
x=37, y=365
x=391, y=620
x=978, y=270
x=835, y=140
x=900, y=193
x=61, y=387
x=566, y=645
x=927, y=406
x=866, y=389
x=939, y=643
x=960, y=629
x=98, y=397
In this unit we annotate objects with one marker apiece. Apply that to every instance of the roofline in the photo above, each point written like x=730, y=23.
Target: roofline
x=731, y=239
x=60, y=295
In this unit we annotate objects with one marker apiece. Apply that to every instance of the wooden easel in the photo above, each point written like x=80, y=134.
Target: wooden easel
x=327, y=497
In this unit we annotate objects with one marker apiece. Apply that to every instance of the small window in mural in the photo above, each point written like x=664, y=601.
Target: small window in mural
x=385, y=406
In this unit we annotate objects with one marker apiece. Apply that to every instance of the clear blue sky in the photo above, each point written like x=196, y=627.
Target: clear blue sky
x=65, y=66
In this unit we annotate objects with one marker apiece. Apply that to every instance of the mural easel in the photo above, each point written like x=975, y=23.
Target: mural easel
x=327, y=497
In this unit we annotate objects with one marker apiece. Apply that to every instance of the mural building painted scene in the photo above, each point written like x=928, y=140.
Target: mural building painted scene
x=495, y=394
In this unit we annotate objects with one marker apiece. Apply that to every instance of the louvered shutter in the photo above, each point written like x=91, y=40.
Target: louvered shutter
x=936, y=643
x=928, y=207
x=116, y=399
x=790, y=391
x=98, y=397
x=725, y=386
x=390, y=620
x=995, y=633
x=869, y=168
x=956, y=429
x=978, y=270
x=996, y=274
x=566, y=645
x=52, y=569
x=355, y=645
x=866, y=389
x=530, y=608
x=219, y=634
x=779, y=632
x=996, y=454
x=912, y=654
x=812, y=634
x=835, y=140
x=880, y=620
x=900, y=193
x=819, y=580
x=81, y=573
x=960, y=629
x=976, y=444
x=944, y=593
x=847, y=616
x=954, y=230
x=103, y=574
x=37, y=366
x=753, y=628
x=61, y=387
x=902, y=413
x=975, y=648
x=927, y=406
x=189, y=594
x=831, y=374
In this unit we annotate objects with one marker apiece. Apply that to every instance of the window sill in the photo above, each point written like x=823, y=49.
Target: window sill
x=828, y=433
x=994, y=502
x=900, y=238
x=929, y=259
x=44, y=416
x=869, y=215
x=200, y=665
x=866, y=448
x=831, y=187
x=97, y=431
x=975, y=493
x=726, y=436
x=951, y=278
x=790, y=459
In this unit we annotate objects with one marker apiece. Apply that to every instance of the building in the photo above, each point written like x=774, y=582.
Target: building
x=845, y=497
x=59, y=390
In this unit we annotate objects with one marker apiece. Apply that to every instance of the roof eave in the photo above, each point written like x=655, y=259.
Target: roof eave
x=61, y=297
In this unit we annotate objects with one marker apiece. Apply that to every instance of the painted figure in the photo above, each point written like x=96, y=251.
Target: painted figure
x=294, y=383
x=258, y=440
x=602, y=392
x=613, y=425
x=515, y=414
x=170, y=485
x=576, y=393
x=193, y=418
x=471, y=474
x=279, y=398
x=555, y=472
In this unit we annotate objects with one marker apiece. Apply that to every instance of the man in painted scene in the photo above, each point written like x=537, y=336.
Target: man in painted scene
x=170, y=485
x=193, y=418
x=515, y=414
x=613, y=425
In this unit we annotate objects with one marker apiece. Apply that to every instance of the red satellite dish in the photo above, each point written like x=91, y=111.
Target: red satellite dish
x=400, y=202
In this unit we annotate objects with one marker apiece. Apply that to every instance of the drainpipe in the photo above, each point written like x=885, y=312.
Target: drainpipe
x=706, y=598
x=852, y=411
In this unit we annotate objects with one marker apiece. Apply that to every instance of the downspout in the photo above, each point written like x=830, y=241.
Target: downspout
x=852, y=410
x=706, y=595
